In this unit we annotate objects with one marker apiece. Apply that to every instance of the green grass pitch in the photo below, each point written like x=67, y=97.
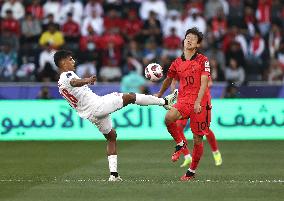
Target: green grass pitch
x=77, y=171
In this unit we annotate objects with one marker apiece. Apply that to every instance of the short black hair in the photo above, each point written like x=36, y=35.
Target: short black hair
x=195, y=32
x=61, y=54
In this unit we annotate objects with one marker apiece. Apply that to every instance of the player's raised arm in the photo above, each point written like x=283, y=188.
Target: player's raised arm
x=81, y=82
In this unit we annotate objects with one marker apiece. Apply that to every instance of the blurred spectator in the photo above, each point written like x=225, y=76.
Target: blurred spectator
x=152, y=29
x=16, y=8
x=86, y=69
x=93, y=6
x=173, y=20
x=10, y=24
x=249, y=21
x=194, y=4
x=112, y=4
x=151, y=53
x=133, y=82
x=251, y=3
x=113, y=21
x=274, y=40
x=44, y=93
x=212, y=7
x=178, y=6
x=36, y=9
x=236, y=53
x=111, y=61
x=194, y=19
x=235, y=72
x=263, y=13
x=217, y=73
x=26, y=71
x=89, y=48
x=275, y=72
x=132, y=4
x=218, y=55
x=72, y=6
x=10, y=31
x=236, y=12
x=133, y=64
x=276, y=9
x=225, y=7
x=231, y=90
x=49, y=19
x=112, y=36
x=172, y=45
x=8, y=63
x=133, y=49
x=52, y=7
x=89, y=42
x=52, y=36
x=71, y=30
x=95, y=21
x=47, y=70
x=255, y=63
x=256, y=47
x=280, y=55
x=219, y=25
x=31, y=29
x=132, y=26
x=157, y=6
x=240, y=38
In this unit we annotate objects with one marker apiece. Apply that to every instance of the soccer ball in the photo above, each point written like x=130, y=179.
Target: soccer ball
x=154, y=72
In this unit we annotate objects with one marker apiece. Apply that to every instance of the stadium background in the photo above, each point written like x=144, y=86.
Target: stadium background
x=116, y=39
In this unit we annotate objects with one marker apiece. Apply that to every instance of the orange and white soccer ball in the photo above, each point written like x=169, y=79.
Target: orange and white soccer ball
x=154, y=72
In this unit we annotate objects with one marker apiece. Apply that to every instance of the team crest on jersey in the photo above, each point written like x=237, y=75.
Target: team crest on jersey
x=69, y=75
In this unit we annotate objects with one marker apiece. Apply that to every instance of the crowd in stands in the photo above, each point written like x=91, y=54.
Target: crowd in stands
x=244, y=39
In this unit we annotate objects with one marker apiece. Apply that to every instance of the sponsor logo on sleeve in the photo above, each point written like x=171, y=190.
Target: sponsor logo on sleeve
x=207, y=66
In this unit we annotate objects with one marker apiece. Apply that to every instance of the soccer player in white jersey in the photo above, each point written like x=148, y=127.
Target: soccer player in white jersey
x=97, y=109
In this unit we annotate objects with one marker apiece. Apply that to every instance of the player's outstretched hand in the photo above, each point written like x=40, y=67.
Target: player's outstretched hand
x=93, y=79
x=197, y=107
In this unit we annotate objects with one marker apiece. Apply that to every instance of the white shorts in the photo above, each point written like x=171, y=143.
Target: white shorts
x=101, y=116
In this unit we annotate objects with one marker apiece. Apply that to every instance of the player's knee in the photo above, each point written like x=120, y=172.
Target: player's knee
x=169, y=118
x=197, y=139
x=128, y=98
x=111, y=136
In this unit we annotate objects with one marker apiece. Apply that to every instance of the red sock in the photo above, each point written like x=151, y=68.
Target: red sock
x=180, y=126
x=212, y=141
x=196, y=155
x=174, y=131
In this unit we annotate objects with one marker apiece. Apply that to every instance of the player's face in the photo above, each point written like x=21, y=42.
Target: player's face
x=191, y=42
x=69, y=63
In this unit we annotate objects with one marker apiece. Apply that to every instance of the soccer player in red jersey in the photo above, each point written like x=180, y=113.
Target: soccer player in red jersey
x=211, y=139
x=192, y=70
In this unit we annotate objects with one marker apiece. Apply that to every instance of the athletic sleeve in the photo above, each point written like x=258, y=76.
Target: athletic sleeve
x=68, y=76
x=205, y=66
x=172, y=72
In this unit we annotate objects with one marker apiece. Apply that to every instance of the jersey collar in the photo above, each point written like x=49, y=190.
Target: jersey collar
x=192, y=58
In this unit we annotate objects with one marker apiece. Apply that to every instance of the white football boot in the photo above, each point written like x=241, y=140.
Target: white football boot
x=114, y=179
x=171, y=98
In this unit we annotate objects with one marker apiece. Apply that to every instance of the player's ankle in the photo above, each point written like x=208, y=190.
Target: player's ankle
x=115, y=174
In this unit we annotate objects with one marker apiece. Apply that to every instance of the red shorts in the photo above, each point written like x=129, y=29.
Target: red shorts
x=199, y=122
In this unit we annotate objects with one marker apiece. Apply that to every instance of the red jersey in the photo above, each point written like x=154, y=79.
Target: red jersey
x=189, y=72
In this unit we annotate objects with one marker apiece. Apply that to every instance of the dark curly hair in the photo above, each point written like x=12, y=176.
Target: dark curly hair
x=61, y=54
